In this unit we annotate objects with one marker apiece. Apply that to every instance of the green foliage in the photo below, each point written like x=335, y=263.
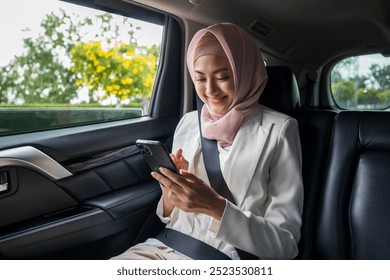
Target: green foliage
x=385, y=98
x=38, y=75
x=121, y=71
x=380, y=76
x=344, y=93
x=63, y=61
x=369, y=96
x=361, y=92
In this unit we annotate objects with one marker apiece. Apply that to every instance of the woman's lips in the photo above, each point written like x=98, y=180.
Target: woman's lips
x=217, y=99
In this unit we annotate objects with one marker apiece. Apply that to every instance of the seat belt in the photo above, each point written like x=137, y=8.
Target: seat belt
x=213, y=168
x=190, y=246
x=214, y=173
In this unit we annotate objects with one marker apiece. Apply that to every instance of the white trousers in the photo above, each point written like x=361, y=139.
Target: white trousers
x=144, y=251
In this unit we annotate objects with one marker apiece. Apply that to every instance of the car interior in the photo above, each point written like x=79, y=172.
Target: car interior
x=85, y=192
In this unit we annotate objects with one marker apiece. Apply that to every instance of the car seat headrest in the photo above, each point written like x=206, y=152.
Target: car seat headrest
x=281, y=92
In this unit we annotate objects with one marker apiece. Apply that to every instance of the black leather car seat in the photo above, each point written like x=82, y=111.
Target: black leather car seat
x=353, y=220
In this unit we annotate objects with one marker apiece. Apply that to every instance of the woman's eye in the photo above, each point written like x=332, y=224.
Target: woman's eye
x=224, y=78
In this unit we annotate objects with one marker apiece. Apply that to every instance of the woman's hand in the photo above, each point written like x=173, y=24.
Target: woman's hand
x=189, y=193
x=181, y=164
x=179, y=160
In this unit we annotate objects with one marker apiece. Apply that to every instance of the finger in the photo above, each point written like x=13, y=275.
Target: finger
x=178, y=183
x=173, y=157
x=167, y=183
x=178, y=179
x=190, y=176
x=162, y=179
x=179, y=153
x=180, y=157
x=174, y=177
x=176, y=157
x=156, y=175
x=183, y=160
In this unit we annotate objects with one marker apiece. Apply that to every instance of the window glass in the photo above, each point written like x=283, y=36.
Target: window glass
x=362, y=82
x=62, y=65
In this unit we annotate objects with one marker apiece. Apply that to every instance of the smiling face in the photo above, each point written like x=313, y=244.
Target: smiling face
x=214, y=82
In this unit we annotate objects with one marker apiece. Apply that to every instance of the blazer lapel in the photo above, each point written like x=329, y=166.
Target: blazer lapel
x=245, y=153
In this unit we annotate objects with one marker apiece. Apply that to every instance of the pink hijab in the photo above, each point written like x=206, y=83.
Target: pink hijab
x=249, y=75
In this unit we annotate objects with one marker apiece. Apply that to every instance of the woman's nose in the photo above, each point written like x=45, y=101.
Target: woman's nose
x=211, y=88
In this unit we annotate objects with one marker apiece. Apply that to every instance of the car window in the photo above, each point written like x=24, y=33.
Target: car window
x=362, y=82
x=73, y=65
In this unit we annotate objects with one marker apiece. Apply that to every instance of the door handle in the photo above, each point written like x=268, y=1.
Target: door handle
x=4, y=186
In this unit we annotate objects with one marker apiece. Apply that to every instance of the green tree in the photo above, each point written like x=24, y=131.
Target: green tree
x=385, y=97
x=369, y=96
x=112, y=69
x=57, y=64
x=376, y=89
x=344, y=93
x=118, y=73
x=380, y=76
x=39, y=75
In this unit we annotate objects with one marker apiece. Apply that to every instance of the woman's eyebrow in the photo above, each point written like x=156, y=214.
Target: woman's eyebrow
x=214, y=72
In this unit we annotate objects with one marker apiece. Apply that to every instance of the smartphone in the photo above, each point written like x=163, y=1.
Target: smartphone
x=156, y=155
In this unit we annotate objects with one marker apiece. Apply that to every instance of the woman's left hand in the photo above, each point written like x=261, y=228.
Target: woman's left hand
x=191, y=194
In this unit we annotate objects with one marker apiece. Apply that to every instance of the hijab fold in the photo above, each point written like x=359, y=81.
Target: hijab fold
x=249, y=75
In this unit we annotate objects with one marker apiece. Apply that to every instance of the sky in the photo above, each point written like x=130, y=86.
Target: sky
x=364, y=63
x=22, y=18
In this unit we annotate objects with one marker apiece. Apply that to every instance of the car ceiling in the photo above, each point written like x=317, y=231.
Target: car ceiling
x=307, y=32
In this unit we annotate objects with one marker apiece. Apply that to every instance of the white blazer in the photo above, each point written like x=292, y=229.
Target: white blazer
x=262, y=169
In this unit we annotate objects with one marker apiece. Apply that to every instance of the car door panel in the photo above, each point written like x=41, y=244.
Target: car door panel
x=53, y=232
x=109, y=193
x=35, y=194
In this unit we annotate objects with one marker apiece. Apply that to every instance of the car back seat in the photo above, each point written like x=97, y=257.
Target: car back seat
x=346, y=174
x=353, y=220
x=315, y=127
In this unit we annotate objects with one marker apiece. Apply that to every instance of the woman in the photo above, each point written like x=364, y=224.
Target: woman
x=259, y=153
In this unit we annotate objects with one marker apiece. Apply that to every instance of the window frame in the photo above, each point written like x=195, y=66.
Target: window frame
x=326, y=97
x=167, y=84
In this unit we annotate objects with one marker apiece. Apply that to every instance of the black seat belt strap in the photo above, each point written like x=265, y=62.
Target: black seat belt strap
x=213, y=168
x=191, y=247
